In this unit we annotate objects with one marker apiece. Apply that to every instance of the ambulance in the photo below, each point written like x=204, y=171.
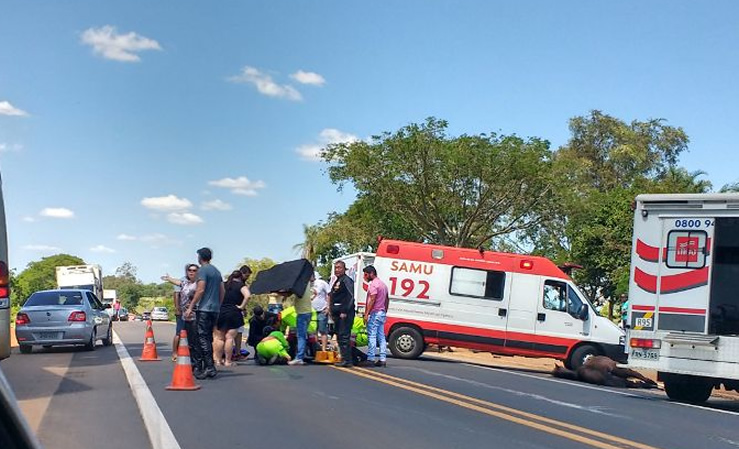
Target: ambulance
x=483, y=300
x=683, y=319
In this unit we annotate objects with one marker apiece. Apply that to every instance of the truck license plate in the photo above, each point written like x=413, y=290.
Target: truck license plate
x=645, y=354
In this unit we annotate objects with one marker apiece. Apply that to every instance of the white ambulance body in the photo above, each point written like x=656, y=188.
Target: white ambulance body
x=683, y=317
x=497, y=302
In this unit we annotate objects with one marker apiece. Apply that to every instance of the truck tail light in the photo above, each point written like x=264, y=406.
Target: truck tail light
x=4, y=285
x=645, y=343
x=77, y=316
x=22, y=319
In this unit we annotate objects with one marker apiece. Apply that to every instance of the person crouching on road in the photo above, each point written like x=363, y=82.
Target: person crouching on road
x=342, y=311
x=374, y=317
x=272, y=350
x=257, y=323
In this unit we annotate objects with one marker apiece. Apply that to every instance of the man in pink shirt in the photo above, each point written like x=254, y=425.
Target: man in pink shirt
x=375, y=314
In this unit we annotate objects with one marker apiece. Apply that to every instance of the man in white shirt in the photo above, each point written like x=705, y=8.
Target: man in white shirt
x=319, y=302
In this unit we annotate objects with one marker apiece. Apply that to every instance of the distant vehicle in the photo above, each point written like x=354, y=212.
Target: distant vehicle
x=123, y=314
x=4, y=284
x=62, y=317
x=683, y=318
x=160, y=314
x=86, y=277
x=146, y=316
x=111, y=297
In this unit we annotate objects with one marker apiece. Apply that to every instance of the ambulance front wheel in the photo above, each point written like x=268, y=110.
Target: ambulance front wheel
x=580, y=355
x=406, y=343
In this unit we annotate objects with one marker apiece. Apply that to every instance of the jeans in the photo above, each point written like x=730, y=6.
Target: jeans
x=302, y=334
x=376, y=334
x=193, y=342
x=206, y=322
x=344, y=335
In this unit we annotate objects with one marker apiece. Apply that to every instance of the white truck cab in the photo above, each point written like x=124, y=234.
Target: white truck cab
x=683, y=319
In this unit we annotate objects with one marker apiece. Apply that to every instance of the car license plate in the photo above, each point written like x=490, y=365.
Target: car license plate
x=48, y=335
x=645, y=354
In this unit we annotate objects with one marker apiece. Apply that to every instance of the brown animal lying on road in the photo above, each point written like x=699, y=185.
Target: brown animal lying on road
x=602, y=370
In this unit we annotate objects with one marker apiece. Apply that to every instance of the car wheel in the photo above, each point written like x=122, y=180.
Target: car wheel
x=90, y=346
x=108, y=340
x=406, y=343
x=580, y=355
x=25, y=349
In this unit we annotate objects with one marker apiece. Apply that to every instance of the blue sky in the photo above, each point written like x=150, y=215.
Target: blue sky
x=125, y=127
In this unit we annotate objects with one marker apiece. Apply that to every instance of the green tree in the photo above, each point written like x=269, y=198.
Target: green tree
x=461, y=191
x=40, y=275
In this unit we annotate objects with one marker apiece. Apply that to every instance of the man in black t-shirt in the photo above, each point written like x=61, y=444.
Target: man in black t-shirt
x=341, y=301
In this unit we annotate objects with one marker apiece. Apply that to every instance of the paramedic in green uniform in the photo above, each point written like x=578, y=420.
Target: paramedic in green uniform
x=272, y=350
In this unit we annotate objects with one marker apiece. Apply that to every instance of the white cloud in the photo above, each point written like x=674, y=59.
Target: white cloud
x=57, y=212
x=312, y=152
x=6, y=148
x=29, y=219
x=42, y=248
x=184, y=218
x=166, y=203
x=102, y=249
x=107, y=42
x=265, y=84
x=239, y=186
x=8, y=109
x=311, y=78
x=216, y=205
x=126, y=237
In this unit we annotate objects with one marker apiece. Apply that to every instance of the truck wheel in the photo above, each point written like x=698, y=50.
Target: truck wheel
x=406, y=343
x=25, y=349
x=580, y=355
x=690, y=389
x=108, y=340
x=90, y=346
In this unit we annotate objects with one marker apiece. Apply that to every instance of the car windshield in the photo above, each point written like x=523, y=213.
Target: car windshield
x=160, y=309
x=54, y=299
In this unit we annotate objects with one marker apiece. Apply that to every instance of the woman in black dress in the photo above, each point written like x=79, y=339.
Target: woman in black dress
x=230, y=318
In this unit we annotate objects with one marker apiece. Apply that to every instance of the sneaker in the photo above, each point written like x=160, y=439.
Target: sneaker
x=296, y=362
x=199, y=374
x=380, y=363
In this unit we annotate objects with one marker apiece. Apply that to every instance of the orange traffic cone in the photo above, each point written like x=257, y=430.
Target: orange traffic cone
x=182, y=378
x=150, y=347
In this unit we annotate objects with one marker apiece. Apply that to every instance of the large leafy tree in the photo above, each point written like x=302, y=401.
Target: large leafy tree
x=604, y=165
x=461, y=191
x=40, y=275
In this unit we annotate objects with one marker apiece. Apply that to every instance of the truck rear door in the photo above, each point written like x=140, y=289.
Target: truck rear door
x=683, y=276
x=724, y=296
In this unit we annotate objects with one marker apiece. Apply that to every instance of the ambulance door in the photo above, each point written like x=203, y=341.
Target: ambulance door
x=478, y=303
x=683, y=281
x=557, y=321
x=522, y=310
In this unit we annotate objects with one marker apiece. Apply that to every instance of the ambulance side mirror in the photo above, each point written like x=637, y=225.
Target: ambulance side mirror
x=582, y=313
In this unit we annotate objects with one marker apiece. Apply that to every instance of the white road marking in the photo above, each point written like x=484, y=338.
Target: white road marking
x=160, y=434
x=602, y=389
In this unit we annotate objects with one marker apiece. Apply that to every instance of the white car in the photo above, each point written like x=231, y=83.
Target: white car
x=159, y=314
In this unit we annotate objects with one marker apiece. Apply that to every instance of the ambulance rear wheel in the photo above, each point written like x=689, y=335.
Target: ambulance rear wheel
x=406, y=343
x=690, y=389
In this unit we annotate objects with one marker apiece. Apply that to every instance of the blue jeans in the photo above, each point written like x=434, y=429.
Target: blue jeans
x=376, y=334
x=302, y=334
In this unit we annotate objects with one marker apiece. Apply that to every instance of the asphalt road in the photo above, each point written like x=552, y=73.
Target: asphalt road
x=424, y=403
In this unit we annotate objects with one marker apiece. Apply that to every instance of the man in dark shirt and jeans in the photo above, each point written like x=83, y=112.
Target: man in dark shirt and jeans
x=208, y=298
x=342, y=310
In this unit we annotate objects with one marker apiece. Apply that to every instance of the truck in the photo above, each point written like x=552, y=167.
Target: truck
x=4, y=283
x=87, y=277
x=502, y=303
x=109, y=296
x=683, y=318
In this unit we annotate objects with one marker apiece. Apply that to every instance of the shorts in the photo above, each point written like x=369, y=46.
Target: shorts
x=180, y=325
x=322, y=319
